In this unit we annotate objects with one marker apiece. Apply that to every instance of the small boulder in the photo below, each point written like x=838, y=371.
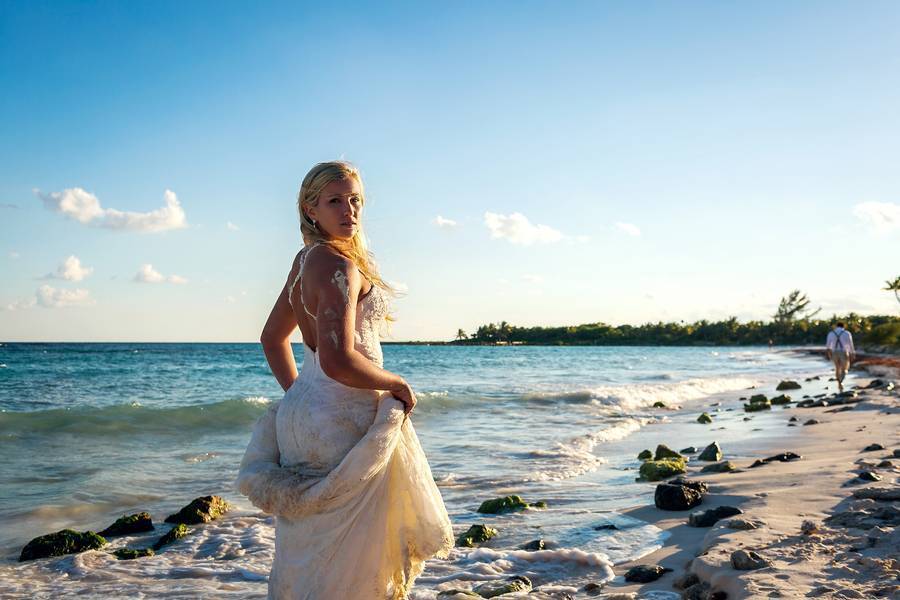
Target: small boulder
x=743, y=524
x=782, y=457
x=685, y=581
x=808, y=527
x=688, y=450
x=896, y=453
x=176, y=533
x=129, y=524
x=676, y=497
x=873, y=448
x=645, y=573
x=711, y=453
x=65, y=541
x=454, y=594
x=132, y=553
x=758, y=406
x=726, y=466
x=506, y=504
x=663, y=451
x=748, y=560
x=535, y=545
x=787, y=384
x=708, y=518
x=200, y=510
x=657, y=470
x=492, y=589
x=793, y=420
x=811, y=422
x=869, y=476
x=645, y=455
x=694, y=484
x=885, y=464
x=476, y=534
x=757, y=398
x=659, y=404
x=782, y=399
x=704, y=419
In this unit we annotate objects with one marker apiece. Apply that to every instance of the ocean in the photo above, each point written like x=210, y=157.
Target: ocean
x=90, y=432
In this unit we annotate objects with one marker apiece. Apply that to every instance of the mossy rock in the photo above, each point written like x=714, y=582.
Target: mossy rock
x=704, y=419
x=65, y=541
x=720, y=467
x=758, y=406
x=711, y=453
x=476, y=534
x=200, y=510
x=492, y=589
x=782, y=399
x=657, y=470
x=645, y=455
x=659, y=404
x=136, y=523
x=176, y=533
x=132, y=553
x=663, y=452
x=507, y=504
x=787, y=384
x=758, y=398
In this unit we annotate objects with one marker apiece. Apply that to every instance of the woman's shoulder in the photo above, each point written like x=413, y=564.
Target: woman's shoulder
x=323, y=261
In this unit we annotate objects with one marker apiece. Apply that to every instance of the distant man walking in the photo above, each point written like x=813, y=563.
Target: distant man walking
x=839, y=348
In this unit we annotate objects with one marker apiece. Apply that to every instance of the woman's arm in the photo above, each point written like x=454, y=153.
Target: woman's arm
x=276, y=337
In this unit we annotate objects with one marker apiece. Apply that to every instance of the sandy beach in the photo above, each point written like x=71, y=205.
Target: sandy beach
x=817, y=529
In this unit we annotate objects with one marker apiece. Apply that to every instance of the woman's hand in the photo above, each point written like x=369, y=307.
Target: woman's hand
x=406, y=395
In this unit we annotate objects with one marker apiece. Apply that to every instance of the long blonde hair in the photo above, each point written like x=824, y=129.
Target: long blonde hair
x=356, y=248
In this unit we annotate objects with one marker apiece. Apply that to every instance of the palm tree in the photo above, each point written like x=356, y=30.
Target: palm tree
x=894, y=286
x=461, y=335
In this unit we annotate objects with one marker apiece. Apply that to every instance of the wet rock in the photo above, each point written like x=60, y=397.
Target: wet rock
x=685, y=581
x=176, y=533
x=711, y=453
x=781, y=400
x=696, y=485
x=720, y=467
x=811, y=422
x=605, y=527
x=65, y=541
x=698, y=591
x=896, y=453
x=873, y=448
x=129, y=524
x=535, y=545
x=689, y=450
x=743, y=524
x=758, y=406
x=709, y=517
x=132, y=553
x=663, y=452
x=476, y=534
x=793, y=420
x=869, y=476
x=492, y=589
x=885, y=464
x=200, y=510
x=645, y=573
x=676, y=497
x=748, y=560
x=645, y=455
x=840, y=409
x=592, y=588
x=757, y=398
x=704, y=419
x=657, y=470
x=787, y=384
x=507, y=504
x=455, y=594
x=878, y=493
x=659, y=404
x=808, y=527
x=781, y=457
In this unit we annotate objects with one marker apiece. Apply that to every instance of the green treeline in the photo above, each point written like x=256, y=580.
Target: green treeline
x=873, y=330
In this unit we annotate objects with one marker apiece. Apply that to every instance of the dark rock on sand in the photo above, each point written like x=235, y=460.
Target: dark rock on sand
x=200, y=510
x=747, y=560
x=709, y=517
x=592, y=588
x=793, y=420
x=896, y=453
x=808, y=527
x=878, y=493
x=535, y=545
x=755, y=398
x=676, y=497
x=743, y=524
x=492, y=589
x=176, y=533
x=758, y=406
x=659, y=404
x=811, y=422
x=869, y=476
x=645, y=455
x=694, y=484
x=704, y=419
x=725, y=466
x=689, y=450
x=711, y=453
x=873, y=448
x=605, y=527
x=685, y=581
x=782, y=457
x=657, y=470
x=65, y=541
x=663, y=452
x=782, y=399
x=645, y=573
x=787, y=384
x=507, y=504
x=136, y=523
x=866, y=518
x=132, y=553
x=698, y=591
x=476, y=534
x=885, y=464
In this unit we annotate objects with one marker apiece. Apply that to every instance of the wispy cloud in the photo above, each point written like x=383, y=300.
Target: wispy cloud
x=444, y=223
x=20, y=304
x=147, y=274
x=883, y=217
x=51, y=297
x=71, y=269
x=517, y=229
x=231, y=226
x=84, y=207
x=9, y=205
x=629, y=228
x=14, y=254
x=533, y=278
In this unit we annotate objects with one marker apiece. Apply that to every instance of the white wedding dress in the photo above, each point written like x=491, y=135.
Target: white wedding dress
x=357, y=510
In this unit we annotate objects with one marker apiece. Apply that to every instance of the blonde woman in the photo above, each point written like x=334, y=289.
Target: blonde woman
x=336, y=460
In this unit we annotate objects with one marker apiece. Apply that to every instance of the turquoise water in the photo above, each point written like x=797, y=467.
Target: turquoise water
x=92, y=431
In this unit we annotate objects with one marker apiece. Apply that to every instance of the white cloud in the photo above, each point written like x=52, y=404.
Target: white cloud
x=147, y=274
x=20, y=305
x=443, y=223
x=883, y=217
x=517, y=229
x=51, y=297
x=231, y=226
x=533, y=278
x=629, y=229
x=14, y=254
x=230, y=300
x=84, y=207
x=71, y=269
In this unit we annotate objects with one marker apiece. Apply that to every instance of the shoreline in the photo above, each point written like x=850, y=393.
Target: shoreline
x=832, y=561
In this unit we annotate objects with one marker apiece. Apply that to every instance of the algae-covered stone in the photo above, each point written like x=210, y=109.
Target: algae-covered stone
x=507, y=504
x=656, y=470
x=659, y=404
x=719, y=467
x=132, y=553
x=136, y=523
x=782, y=399
x=758, y=406
x=200, y=510
x=645, y=455
x=704, y=419
x=758, y=398
x=65, y=541
x=492, y=589
x=663, y=451
x=476, y=534
x=176, y=533
x=711, y=453
x=787, y=384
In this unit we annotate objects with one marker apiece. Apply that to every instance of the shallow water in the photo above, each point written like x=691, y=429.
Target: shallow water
x=89, y=432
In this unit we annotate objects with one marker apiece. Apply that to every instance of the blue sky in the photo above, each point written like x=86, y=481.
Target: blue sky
x=668, y=160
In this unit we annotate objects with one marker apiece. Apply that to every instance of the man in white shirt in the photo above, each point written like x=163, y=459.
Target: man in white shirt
x=839, y=348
